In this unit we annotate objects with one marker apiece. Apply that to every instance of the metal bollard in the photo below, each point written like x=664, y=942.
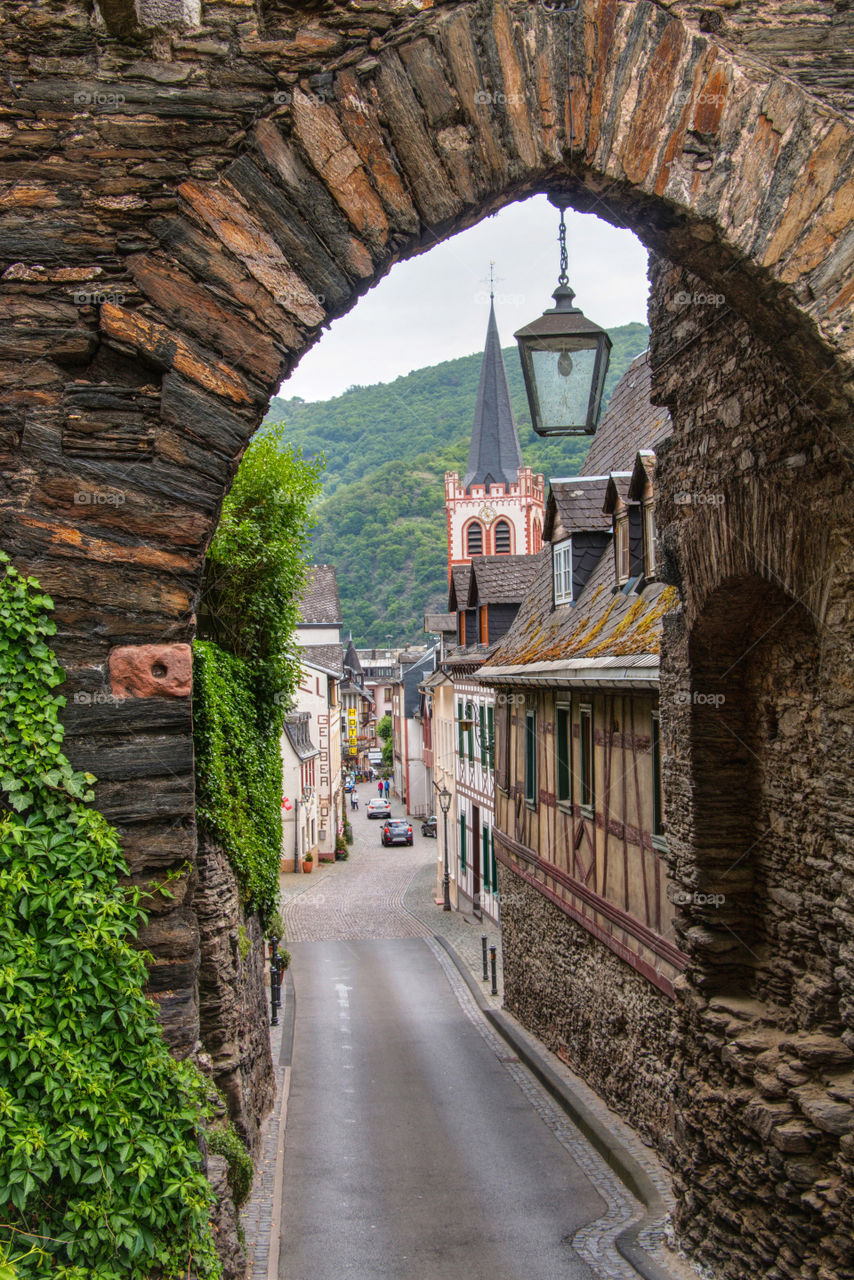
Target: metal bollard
x=494, y=971
x=483, y=949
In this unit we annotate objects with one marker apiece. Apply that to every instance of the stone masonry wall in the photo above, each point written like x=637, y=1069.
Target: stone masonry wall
x=590, y=1008
x=757, y=529
x=190, y=204
x=233, y=1010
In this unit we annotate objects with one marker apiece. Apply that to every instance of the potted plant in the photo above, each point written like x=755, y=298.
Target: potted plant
x=308, y=863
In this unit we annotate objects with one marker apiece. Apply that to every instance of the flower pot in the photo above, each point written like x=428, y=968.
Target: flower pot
x=307, y=866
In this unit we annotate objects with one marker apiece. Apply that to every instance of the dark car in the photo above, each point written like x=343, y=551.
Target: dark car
x=396, y=831
x=428, y=827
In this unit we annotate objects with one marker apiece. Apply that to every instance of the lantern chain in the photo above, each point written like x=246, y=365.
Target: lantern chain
x=563, y=278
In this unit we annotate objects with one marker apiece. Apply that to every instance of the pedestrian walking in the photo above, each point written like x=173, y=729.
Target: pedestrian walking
x=354, y=799
x=386, y=788
x=380, y=788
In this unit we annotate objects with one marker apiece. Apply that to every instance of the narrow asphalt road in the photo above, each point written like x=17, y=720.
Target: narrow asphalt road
x=410, y=1149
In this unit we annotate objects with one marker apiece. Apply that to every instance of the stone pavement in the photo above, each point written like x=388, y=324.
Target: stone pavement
x=390, y=893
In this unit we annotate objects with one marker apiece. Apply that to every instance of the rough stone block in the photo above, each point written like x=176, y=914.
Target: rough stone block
x=151, y=671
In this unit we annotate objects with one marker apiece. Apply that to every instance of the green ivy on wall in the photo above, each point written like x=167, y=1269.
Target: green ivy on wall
x=245, y=664
x=238, y=772
x=100, y=1169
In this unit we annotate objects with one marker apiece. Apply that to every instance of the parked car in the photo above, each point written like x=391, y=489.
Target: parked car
x=396, y=831
x=379, y=808
x=428, y=827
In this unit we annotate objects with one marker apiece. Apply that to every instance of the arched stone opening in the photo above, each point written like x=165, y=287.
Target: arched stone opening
x=758, y=810
x=167, y=257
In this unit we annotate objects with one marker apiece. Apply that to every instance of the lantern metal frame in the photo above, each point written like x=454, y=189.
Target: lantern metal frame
x=564, y=328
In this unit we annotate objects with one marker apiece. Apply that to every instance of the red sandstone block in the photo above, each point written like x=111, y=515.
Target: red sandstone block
x=151, y=671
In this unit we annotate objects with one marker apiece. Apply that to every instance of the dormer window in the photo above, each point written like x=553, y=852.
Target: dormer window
x=474, y=540
x=650, y=541
x=621, y=548
x=562, y=572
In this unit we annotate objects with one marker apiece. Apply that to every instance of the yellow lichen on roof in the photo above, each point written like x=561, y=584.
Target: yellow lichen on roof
x=638, y=631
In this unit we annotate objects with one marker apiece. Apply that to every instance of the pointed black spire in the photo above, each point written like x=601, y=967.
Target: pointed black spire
x=494, y=456
x=351, y=658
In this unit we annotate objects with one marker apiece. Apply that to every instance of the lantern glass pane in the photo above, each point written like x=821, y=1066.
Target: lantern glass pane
x=563, y=370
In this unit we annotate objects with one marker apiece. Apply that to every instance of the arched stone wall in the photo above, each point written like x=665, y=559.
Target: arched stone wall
x=191, y=204
x=756, y=532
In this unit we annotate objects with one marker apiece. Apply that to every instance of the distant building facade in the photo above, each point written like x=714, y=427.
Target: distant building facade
x=313, y=796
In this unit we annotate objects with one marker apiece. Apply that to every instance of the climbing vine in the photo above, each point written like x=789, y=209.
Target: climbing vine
x=238, y=772
x=100, y=1168
x=246, y=666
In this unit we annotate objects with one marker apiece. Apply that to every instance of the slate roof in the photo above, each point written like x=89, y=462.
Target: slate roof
x=645, y=468
x=458, y=592
x=469, y=657
x=494, y=455
x=604, y=622
x=297, y=732
x=320, y=604
x=628, y=424
x=437, y=623
x=618, y=489
x=500, y=579
x=351, y=659
x=577, y=504
x=328, y=656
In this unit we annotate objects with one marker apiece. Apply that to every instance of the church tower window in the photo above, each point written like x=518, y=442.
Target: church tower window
x=502, y=538
x=474, y=540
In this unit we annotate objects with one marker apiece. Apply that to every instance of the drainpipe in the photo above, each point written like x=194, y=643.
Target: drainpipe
x=296, y=834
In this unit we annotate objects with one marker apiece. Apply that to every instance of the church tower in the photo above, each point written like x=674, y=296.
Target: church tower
x=499, y=506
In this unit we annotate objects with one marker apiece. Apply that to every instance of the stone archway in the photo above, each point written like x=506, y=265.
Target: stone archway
x=190, y=205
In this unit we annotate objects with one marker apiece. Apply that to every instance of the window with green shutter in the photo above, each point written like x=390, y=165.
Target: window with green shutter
x=487, y=883
x=462, y=742
x=492, y=861
x=484, y=757
x=463, y=843
x=531, y=757
x=470, y=732
x=586, y=752
x=564, y=768
x=490, y=733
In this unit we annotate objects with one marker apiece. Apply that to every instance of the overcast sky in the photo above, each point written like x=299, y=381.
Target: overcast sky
x=435, y=307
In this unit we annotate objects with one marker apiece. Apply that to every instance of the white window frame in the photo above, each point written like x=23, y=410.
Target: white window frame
x=622, y=553
x=650, y=540
x=562, y=572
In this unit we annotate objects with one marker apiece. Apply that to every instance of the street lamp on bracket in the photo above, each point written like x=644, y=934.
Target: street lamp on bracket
x=444, y=797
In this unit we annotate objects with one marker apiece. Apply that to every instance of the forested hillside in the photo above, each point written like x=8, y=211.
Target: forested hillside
x=381, y=520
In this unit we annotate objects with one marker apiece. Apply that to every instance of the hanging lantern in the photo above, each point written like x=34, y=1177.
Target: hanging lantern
x=564, y=360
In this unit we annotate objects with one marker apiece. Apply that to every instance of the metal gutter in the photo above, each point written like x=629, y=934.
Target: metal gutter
x=584, y=672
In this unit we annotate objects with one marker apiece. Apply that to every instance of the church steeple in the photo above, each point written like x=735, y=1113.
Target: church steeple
x=494, y=455
x=499, y=507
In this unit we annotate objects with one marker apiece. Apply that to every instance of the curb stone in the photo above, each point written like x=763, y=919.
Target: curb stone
x=637, y=1179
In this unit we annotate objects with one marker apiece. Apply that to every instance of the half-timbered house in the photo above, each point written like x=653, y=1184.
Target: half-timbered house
x=485, y=596
x=590, y=958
